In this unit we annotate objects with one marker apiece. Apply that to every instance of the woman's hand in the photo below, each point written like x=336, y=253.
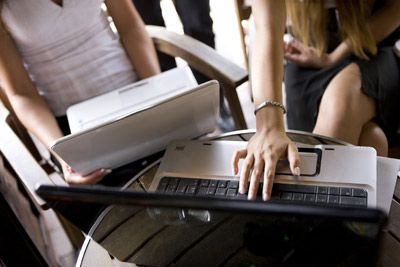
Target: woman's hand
x=308, y=57
x=72, y=177
x=263, y=151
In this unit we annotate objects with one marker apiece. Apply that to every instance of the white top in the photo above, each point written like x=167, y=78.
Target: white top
x=70, y=51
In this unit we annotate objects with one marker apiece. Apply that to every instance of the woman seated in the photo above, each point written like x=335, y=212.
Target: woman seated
x=54, y=53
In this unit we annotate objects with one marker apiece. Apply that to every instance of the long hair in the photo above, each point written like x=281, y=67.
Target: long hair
x=308, y=24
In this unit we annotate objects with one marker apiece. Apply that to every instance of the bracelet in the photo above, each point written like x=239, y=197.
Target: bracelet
x=270, y=103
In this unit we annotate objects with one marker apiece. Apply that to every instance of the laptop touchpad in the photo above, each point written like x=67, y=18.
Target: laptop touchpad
x=308, y=167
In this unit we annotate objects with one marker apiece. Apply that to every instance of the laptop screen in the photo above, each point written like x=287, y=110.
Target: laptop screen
x=163, y=230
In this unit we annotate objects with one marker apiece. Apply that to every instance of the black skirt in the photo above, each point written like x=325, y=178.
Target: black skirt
x=380, y=77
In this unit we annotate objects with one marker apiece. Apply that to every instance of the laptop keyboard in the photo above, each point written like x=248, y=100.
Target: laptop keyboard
x=306, y=194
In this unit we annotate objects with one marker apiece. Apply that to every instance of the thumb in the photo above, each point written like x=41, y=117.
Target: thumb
x=294, y=159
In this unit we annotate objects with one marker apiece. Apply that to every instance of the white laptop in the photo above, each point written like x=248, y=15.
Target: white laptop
x=130, y=98
x=190, y=114
x=335, y=173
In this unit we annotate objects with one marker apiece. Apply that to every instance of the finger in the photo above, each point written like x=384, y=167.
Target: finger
x=69, y=169
x=298, y=46
x=239, y=154
x=294, y=159
x=269, y=173
x=91, y=178
x=287, y=48
x=255, y=178
x=244, y=174
x=295, y=58
x=294, y=49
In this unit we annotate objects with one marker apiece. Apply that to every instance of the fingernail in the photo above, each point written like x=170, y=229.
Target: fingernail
x=265, y=196
x=297, y=171
x=106, y=171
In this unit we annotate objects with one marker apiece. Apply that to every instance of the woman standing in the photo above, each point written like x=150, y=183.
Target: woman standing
x=342, y=79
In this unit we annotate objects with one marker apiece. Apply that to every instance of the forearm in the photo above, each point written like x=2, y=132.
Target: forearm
x=342, y=51
x=29, y=106
x=267, y=60
x=141, y=52
x=34, y=114
x=134, y=37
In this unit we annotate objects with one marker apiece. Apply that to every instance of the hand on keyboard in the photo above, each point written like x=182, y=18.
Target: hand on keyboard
x=260, y=157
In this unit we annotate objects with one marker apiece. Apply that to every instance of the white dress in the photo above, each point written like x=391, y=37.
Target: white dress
x=69, y=51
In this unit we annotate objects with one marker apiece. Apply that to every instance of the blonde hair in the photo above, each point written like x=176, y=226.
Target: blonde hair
x=308, y=24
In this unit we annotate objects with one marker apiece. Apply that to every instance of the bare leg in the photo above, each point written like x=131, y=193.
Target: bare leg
x=373, y=135
x=345, y=110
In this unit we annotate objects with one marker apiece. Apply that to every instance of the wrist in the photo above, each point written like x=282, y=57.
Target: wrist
x=268, y=119
x=342, y=51
x=270, y=103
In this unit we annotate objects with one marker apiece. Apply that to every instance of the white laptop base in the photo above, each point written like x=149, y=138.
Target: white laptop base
x=323, y=165
x=128, y=99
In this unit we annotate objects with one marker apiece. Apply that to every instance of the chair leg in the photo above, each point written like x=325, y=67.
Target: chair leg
x=235, y=107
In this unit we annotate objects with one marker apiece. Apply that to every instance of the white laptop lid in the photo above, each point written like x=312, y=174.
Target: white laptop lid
x=130, y=98
x=144, y=132
x=329, y=165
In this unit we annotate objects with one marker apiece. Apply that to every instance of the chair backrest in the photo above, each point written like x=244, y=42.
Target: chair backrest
x=207, y=61
x=21, y=160
x=243, y=12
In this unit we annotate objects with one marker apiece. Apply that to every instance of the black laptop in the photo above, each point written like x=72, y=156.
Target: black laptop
x=151, y=229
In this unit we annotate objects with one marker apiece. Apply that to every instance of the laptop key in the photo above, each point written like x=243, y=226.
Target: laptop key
x=322, y=190
x=171, y=189
x=204, y=182
x=213, y=183
x=321, y=198
x=345, y=192
x=241, y=196
x=275, y=195
x=298, y=196
x=332, y=199
x=231, y=192
x=173, y=181
x=222, y=184
x=233, y=184
x=309, y=197
x=211, y=191
x=181, y=189
x=188, y=182
x=295, y=188
x=334, y=191
x=191, y=190
x=220, y=192
x=286, y=196
x=353, y=201
x=202, y=191
x=359, y=192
